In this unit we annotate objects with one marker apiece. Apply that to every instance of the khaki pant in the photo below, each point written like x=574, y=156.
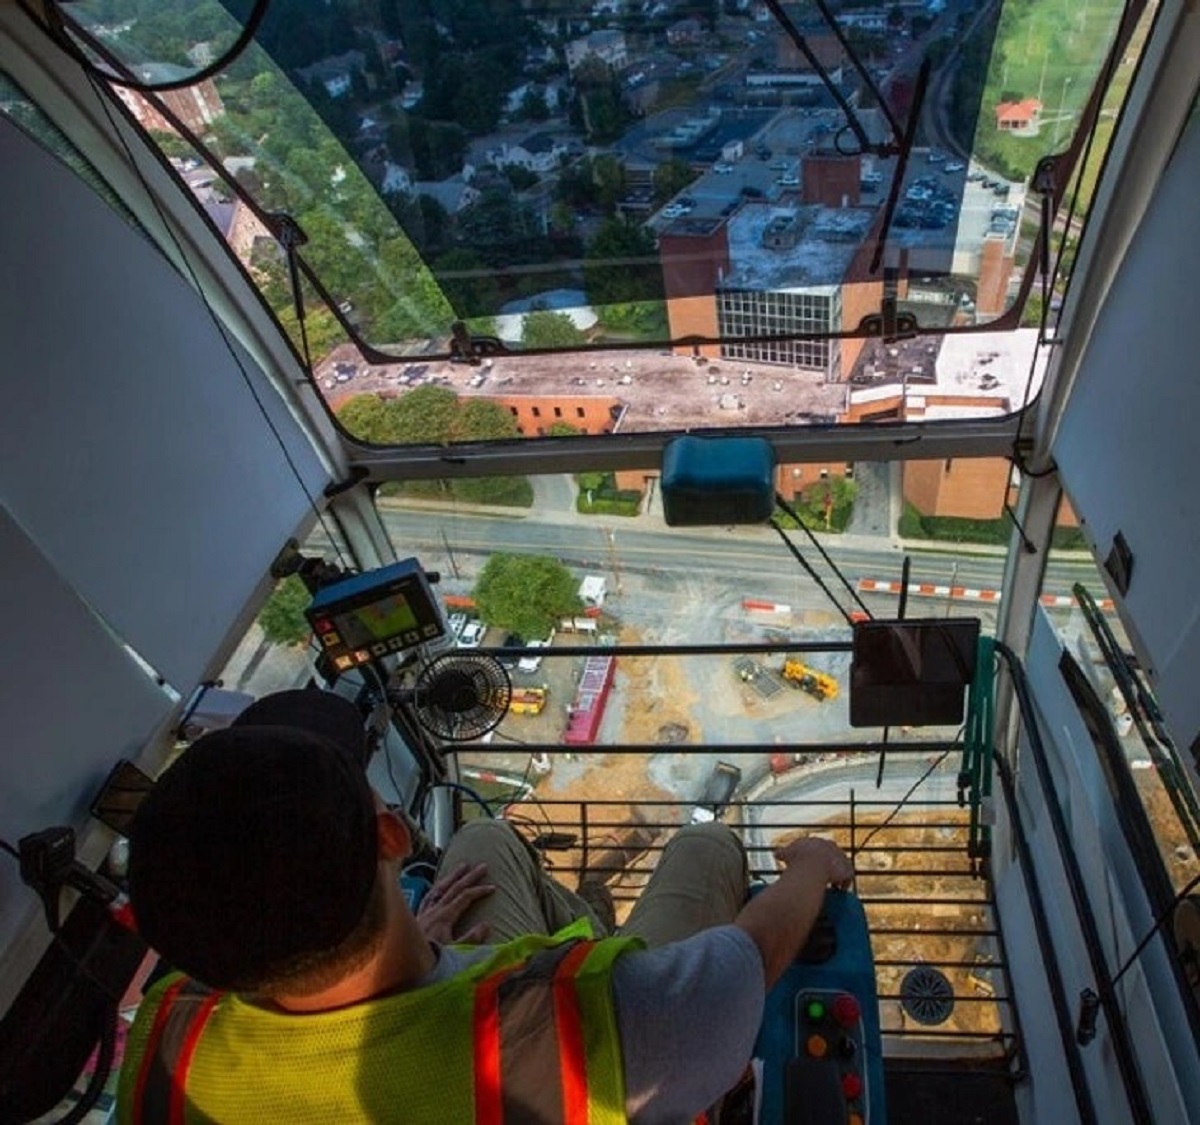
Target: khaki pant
x=700, y=881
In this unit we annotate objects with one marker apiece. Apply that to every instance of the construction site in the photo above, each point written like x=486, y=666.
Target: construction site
x=608, y=810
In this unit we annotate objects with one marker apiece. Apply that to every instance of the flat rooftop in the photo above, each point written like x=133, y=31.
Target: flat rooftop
x=826, y=240
x=659, y=390
x=993, y=368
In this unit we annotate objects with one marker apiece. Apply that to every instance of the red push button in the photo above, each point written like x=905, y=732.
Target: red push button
x=851, y=1085
x=846, y=1010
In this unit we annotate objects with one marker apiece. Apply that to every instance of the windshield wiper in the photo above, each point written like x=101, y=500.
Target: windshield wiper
x=883, y=148
x=905, y=150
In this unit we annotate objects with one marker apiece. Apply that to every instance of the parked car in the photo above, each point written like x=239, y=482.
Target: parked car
x=720, y=787
x=472, y=634
x=531, y=662
x=509, y=659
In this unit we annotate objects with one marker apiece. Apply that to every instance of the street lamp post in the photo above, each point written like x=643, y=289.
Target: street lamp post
x=1062, y=109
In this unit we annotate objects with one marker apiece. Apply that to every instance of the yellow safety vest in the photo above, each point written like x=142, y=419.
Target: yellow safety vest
x=528, y=1034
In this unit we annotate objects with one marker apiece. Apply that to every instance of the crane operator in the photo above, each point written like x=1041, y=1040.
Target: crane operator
x=265, y=869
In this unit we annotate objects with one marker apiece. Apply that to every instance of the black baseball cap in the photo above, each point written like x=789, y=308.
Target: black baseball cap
x=258, y=847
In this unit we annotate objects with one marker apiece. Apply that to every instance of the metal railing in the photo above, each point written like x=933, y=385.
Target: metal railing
x=925, y=900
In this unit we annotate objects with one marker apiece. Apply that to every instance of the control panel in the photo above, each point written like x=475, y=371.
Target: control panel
x=371, y=615
x=819, y=1042
x=824, y=1081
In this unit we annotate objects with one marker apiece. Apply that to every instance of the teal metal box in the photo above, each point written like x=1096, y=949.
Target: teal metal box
x=718, y=481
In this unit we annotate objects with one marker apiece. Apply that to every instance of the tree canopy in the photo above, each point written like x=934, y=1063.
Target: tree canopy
x=282, y=616
x=621, y=265
x=545, y=329
x=436, y=415
x=525, y=594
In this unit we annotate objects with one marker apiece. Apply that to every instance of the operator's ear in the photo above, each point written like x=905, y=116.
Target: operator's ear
x=395, y=837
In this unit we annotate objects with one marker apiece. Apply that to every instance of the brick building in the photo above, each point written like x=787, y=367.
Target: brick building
x=196, y=106
x=769, y=274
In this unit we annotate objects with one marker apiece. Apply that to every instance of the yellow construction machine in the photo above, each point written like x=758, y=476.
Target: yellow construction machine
x=820, y=685
x=527, y=701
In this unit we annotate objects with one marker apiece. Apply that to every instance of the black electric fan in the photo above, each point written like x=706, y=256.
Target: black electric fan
x=461, y=696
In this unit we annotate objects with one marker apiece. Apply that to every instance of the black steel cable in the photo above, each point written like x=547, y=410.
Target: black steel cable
x=823, y=553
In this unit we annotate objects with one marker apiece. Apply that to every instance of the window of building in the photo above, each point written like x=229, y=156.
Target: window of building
x=579, y=413
x=537, y=413
x=558, y=412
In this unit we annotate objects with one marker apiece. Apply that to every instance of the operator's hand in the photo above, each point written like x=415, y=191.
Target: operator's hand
x=812, y=853
x=447, y=901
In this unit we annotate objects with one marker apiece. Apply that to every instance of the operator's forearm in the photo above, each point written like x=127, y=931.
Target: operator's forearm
x=780, y=918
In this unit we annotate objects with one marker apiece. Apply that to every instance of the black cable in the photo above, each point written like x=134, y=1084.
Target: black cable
x=823, y=553
x=103, y=101
x=56, y=27
x=467, y=791
x=905, y=799
x=6, y=846
x=1163, y=916
x=101, y=1071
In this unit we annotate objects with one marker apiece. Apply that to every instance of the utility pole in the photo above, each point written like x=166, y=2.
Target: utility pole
x=1062, y=109
x=614, y=562
x=449, y=553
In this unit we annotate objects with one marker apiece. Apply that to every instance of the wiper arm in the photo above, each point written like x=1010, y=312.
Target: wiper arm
x=888, y=148
x=906, y=144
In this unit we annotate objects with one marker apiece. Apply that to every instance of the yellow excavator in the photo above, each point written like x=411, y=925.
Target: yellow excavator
x=820, y=685
x=527, y=701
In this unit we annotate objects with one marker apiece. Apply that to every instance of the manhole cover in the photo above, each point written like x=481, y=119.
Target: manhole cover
x=926, y=995
x=672, y=732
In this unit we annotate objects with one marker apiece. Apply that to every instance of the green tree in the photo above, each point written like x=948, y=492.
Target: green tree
x=369, y=418
x=562, y=429
x=644, y=320
x=520, y=177
x=282, y=616
x=481, y=419
x=533, y=105
x=468, y=283
x=425, y=416
x=621, y=265
x=609, y=175
x=671, y=178
x=544, y=329
x=525, y=594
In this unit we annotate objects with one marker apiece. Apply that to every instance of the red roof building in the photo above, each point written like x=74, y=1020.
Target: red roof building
x=1019, y=117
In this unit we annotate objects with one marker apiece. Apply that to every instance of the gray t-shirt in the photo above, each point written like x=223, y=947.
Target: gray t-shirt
x=688, y=1013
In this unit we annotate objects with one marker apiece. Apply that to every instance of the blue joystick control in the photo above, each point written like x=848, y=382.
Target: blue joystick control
x=819, y=1040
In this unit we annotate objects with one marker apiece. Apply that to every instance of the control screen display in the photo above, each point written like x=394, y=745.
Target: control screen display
x=378, y=621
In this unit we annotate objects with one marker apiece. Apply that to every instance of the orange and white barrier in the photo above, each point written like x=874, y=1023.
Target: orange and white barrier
x=961, y=593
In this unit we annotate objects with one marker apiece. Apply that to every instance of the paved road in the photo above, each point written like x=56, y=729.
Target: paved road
x=648, y=545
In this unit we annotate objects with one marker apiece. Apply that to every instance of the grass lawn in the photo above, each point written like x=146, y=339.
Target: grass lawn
x=1051, y=50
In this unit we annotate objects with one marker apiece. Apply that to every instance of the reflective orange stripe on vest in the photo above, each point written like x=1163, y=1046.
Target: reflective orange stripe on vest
x=572, y=1060
x=162, y=1079
x=533, y=1005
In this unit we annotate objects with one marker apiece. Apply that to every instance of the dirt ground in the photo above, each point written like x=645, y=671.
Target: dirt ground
x=656, y=708
x=952, y=936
